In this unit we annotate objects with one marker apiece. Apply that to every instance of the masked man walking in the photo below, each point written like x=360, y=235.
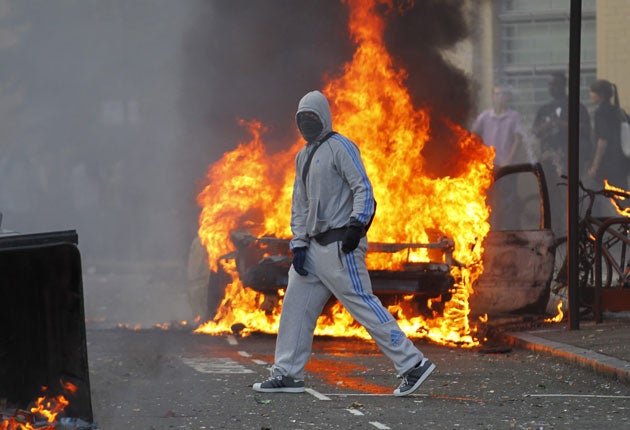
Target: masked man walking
x=332, y=207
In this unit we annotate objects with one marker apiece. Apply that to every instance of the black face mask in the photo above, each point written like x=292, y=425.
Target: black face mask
x=310, y=128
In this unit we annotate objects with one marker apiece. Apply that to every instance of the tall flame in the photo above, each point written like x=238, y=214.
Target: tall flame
x=370, y=104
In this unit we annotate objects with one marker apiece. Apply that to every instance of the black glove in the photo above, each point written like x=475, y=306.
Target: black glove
x=354, y=232
x=299, y=256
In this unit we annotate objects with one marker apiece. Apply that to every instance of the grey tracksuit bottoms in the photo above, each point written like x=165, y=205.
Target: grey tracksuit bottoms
x=345, y=276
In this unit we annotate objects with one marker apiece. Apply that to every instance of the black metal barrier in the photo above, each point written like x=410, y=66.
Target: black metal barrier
x=42, y=321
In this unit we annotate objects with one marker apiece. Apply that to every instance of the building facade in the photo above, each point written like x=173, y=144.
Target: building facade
x=520, y=42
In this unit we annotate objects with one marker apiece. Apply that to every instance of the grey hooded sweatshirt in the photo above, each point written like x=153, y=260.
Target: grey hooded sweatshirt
x=337, y=187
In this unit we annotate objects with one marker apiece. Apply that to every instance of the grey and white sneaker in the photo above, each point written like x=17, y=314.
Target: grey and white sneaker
x=414, y=377
x=280, y=384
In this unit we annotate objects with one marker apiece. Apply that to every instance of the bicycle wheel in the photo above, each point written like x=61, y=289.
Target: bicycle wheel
x=586, y=271
x=560, y=263
x=559, y=282
x=614, y=253
x=560, y=285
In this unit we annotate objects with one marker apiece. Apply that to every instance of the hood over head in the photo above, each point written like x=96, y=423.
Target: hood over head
x=317, y=103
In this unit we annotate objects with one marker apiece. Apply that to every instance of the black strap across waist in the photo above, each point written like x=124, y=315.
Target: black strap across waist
x=330, y=236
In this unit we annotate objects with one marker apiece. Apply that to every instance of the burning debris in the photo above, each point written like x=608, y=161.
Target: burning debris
x=249, y=189
x=46, y=414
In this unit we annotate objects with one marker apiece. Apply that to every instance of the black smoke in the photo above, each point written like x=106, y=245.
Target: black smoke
x=254, y=60
x=417, y=40
x=244, y=59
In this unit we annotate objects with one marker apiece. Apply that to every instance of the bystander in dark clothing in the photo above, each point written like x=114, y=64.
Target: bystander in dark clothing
x=608, y=161
x=551, y=127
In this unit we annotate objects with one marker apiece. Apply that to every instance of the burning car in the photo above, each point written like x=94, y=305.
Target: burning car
x=430, y=177
x=263, y=265
x=518, y=266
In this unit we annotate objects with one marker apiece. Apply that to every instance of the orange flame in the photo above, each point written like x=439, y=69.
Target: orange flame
x=46, y=407
x=559, y=315
x=248, y=188
x=69, y=387
x=615, y=201
x=49, y=408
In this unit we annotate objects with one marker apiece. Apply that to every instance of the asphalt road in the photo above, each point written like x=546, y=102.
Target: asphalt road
x=174, y=379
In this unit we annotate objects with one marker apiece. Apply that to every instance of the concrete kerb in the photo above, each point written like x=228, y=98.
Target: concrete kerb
x=599, y=363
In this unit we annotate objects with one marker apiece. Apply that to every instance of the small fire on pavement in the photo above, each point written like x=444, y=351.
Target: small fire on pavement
x=559, y=315
x=251, y=189
x=46, y=414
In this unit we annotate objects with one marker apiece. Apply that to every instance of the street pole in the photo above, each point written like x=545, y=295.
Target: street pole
x=573, y=151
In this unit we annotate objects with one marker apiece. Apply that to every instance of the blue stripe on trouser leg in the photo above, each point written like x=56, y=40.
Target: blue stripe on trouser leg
x=382, y=315
x=306, y=296
x=348, y=279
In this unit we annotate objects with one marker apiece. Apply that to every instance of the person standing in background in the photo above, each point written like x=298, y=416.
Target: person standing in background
x=551, y=127
x=501, y=128
x=608, y=162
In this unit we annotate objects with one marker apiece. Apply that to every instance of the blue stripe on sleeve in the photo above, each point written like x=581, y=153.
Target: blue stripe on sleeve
x=368, y=208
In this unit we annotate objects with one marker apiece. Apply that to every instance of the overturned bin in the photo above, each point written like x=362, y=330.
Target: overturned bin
x=43, y=350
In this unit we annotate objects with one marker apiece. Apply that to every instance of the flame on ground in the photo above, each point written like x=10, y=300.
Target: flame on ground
x=46, y=407
x=248, y=188
x=559, y=315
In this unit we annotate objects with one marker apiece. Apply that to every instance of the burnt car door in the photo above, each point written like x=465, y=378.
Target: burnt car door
x=518, y=262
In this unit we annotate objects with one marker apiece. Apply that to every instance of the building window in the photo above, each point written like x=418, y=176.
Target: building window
x=534, y=41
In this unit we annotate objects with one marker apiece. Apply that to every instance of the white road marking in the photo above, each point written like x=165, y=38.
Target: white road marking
x=216, y=365
x=363, y=395
x=423, y=395
x=317, y=395
x=595, y=396
x=379, y=425
x=231, y=340
x=355, y=412
x=244, y=354
x=261, y=362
